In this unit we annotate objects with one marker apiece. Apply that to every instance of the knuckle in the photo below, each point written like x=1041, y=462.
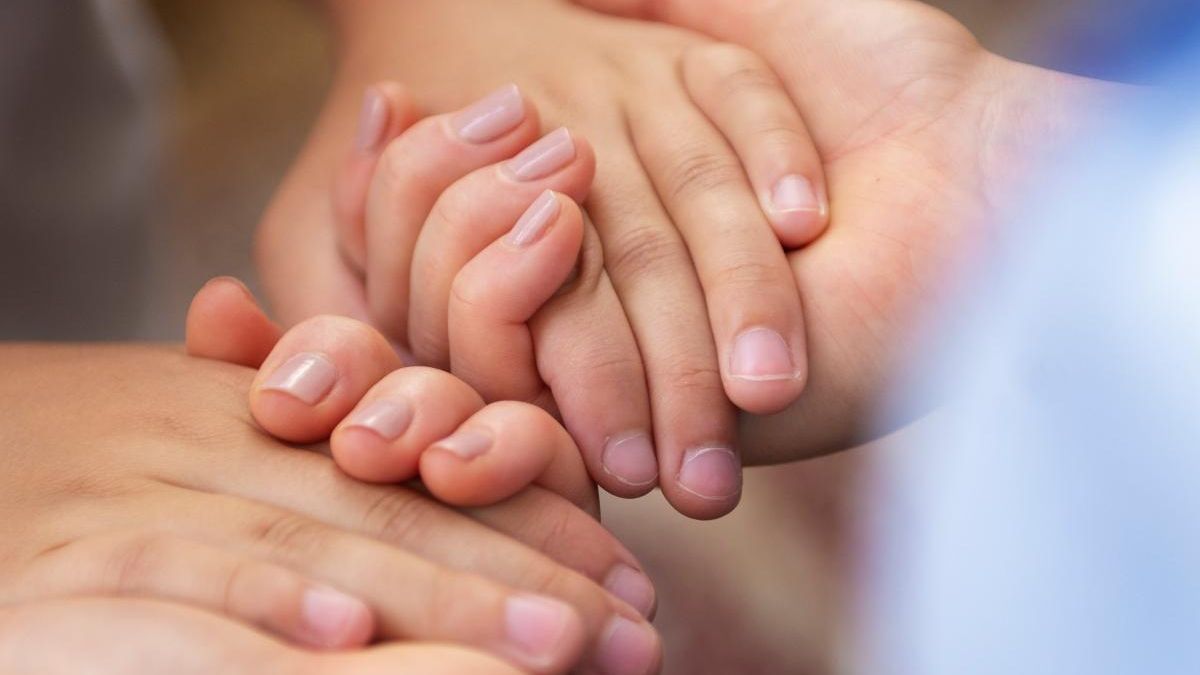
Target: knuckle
x=453, y=208
x=645, y=251
x=699, y=171
x=294, y=536
x=398, y=516
x=132, y=561
x=781, y=136
x=748, y=277
x=696, y=376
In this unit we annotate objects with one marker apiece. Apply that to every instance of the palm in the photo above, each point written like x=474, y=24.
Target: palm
x=891, y=90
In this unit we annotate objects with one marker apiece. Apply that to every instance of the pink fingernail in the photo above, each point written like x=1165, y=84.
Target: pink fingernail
x=711, y=473
x=761, y=354
x=631, y=460
x=331, y=617
x=491, y=117
x=372, y=121
x=627, y=648
x=536, y=625
x=631, y=586
x=795, y=193
x=308, y=377
x=549, y=154
x=388, y=419
x=466, y=444
x=535, y=221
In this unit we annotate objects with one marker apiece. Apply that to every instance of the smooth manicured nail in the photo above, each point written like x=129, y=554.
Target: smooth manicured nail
x=466, y=444
x=711, y=473
x=536, y=625
x=795, y=193
x=549, y=154
x=307, y=376
x=491, y=117
x=535, y=221
x=388, y=419
x=329, y=616
x=761, y=354
x=631, y=586
x=372, y=121
x=631, y=460
x=627, y=648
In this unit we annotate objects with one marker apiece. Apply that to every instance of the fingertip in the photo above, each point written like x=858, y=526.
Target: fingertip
x=225, y=323
x=708, y=482
x=797, y=209
x=316, y=374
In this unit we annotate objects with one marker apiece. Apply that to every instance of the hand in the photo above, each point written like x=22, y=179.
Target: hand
x=922, y=131
x=135, y=471
x=106, y=636
x=333, y=379
x=667, y=161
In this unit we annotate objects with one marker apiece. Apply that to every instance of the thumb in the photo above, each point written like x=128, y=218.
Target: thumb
x=224, y=323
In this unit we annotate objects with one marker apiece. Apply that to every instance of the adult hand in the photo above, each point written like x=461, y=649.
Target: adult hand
x=922, y=131
x=107, y=636
x=137, y=471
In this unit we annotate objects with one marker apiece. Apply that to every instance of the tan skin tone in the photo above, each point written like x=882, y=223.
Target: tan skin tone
x=619, y=85
x=924, y=134
x=136, y=471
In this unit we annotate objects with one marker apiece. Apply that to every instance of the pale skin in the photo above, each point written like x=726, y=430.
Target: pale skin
x=165, y=491
x=691, y=304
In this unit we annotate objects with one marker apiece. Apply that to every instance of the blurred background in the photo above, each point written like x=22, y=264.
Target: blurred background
x=202, y=113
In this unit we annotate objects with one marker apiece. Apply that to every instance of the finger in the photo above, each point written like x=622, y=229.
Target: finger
x=536, y=541
x=750, y=291
x=225, y=323
x=387, y=110
x=588, y=357
x=106, y=636
x=473, y=213
x=694, y=427
x=744, y=99
x=413, y=171
x=414, y=598
x=501, y=288
x=381, y=441
x=274, y=598
x=500, y=451
x=316, y=374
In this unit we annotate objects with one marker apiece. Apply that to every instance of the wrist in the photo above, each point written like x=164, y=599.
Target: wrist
x=1031, y=114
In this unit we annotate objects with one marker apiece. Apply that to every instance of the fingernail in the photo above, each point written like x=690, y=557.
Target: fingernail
x=466, y=444
x=631, y=586
x=329, y=616
x=627, y=648
x=795, y=193
x=308, y=377
x=536, y=625
x=711, y=473
x=631, y=460
x=549, y=154
x=491, y=117
x=535, y=221
x=761, y=354
x=388, y=419
x=372, y=121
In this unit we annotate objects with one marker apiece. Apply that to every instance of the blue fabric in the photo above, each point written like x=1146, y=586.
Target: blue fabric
x=1048, y=519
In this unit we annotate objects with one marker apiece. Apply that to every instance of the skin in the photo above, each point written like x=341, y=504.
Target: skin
x=691, y=262
x=161, y=487
x=104, y=636
x=924, y=135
